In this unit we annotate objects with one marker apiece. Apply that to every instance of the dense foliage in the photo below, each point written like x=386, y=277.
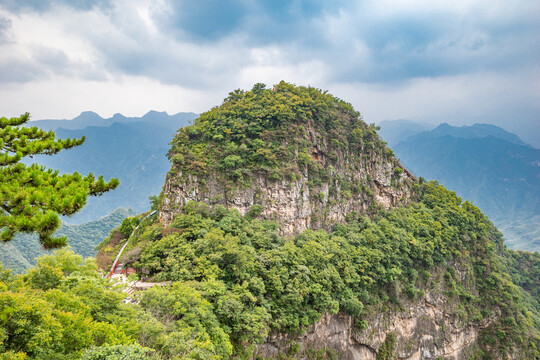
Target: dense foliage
x=255, y=281
x=63, y=309
x=266, y=130
x=31, y=197
x=524, y=268
x=59, y=309
x=236, y=279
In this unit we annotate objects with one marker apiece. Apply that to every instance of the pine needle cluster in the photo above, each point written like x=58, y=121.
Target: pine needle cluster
x=32, y=196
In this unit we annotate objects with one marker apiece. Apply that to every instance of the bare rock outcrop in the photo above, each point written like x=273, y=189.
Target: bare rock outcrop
x=354, y=183
x=427, y=330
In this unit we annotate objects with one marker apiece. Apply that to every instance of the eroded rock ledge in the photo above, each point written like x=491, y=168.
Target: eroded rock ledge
x=427, y=330
x=297, y=204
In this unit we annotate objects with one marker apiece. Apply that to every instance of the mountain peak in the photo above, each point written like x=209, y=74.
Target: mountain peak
x=118, y=116
x=154, y=113
x=88, y=115
x=444, y=126
x=475, y=131
x=287, y=159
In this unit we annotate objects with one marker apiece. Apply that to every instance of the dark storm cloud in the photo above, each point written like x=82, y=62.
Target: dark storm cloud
x=42, y=63
x=432, y=45
x=204, y=20
x=192, y=66
x=260, y=21
x=201, y=43
x=51, y=60
x=19, y=71
x=398, y=47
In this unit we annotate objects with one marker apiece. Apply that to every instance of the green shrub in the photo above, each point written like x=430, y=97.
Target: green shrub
x=386, y=351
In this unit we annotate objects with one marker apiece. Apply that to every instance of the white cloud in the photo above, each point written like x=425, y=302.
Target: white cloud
x=392, y=59
x=61, y=97
x=455, y=99
x=304, y=73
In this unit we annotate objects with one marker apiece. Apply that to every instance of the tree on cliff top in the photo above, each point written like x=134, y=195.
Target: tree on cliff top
x=31, y=197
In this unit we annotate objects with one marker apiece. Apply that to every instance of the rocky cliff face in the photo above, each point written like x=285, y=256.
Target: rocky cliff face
x=353, y=183
x=428, y=329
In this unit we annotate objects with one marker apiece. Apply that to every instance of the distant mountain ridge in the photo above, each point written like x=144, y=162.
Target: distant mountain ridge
x=130, y=149
x=395, y=131
x=90, y=118
x=491, y=167
x=476, y=131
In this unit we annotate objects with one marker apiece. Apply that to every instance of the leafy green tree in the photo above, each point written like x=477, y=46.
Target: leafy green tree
x=45, y=277
x=128, y=225
x=31, y=197
x=197, y=333
x=62, y=309
x=5, y=274
x=117, y=352
x=52, y=268
x=10, y=355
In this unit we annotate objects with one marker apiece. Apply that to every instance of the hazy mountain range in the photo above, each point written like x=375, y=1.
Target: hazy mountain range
x=484, y=163
x=90, y=118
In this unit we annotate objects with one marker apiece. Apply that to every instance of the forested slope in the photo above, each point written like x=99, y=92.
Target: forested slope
x=19, y=254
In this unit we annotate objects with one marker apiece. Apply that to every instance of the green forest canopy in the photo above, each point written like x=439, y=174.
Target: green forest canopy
x=235, y=279
x=266, y=130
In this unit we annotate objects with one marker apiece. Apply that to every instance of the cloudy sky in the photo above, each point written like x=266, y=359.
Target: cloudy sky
x=457, y=61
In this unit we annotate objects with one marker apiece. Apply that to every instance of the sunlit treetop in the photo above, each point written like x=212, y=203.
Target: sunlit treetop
x=270, y=130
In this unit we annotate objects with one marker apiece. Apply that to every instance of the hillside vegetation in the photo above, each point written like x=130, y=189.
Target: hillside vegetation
x=236, y=280
x=266, y=130
x=257, y=282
